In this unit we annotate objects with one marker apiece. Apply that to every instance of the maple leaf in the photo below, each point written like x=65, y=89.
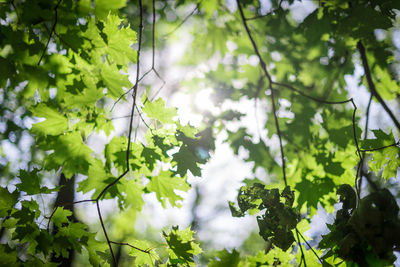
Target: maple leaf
x=114, y=80
x=54, y=124
x=164, y=186
x=7, y=201
x=226, y=258
x=119, y=41
x=30, y=183
x=312, y=192
x=157, y=110
x=186, y=161
x=71, y=153
x=103, y=7
x=143, y=258
x=60, y=216
x=97, y=179
x=133, y=191
x=181, y=246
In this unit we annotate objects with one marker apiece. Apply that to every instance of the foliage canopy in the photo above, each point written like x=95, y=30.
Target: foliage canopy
x=64, y=68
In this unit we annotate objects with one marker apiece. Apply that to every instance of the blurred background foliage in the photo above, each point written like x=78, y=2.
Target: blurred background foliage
x=304, y=93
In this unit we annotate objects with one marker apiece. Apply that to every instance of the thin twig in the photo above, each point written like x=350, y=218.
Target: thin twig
x=301, y=248
x=51, y=215
x=322, y=101
x=267, y=74
x=121, y=117
x=259, y=87
x=152, y=69
x=372, y=183
x=371, y=84
x=274, y=109
x=359, y=182
x=269, y=13
x=367, y=117
x=132, y=246
x=134, y=96
x=61, y=39
x=53, y=28
x=380, y=148
x=183, y=21
x=65, y=205
x=159, y=89
x=153, y=30
x=111, y=184
x=361, y=158
x=354, y=129
x=105, y=233
x=312, y=249
x=144, y=122
x=15, y=9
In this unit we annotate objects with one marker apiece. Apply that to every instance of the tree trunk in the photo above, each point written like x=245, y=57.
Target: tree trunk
x=65, y=197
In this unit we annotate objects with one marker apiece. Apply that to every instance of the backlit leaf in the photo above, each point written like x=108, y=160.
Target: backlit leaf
x=54, y=124
x=165, y=184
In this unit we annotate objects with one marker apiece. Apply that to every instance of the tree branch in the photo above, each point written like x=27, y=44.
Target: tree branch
x=152, y=69
x=53, y=28
x=132, y=246
x=183, y=21
x=303, y=258
x=322, y=101
x=267, y=74
x=371, y=84
x=380, y=148
x=134, y=94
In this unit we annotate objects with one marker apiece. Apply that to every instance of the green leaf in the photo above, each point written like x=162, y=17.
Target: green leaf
x=95, y=248
x=71, y=153
x=54, y=124
x=28, y=212
x=6, y=70
x=312, y=192
x=8, y=256
x=150, y=156
x=274, y=257
x=7, y=201
x=165, y=184
x=103, y=7
x=114, y=80
x=30, y=183
x=86, y=98
x=382, y=139
x=330, y=167
x=115, y=152
x=186, y=161
x=388, y=159
x=119, y=41
x=157, y=110
x=235, y=211
x=72, y=236
x=60, y=216
x=98, y=178
x=181, y=246
x=143, y=258
x=225, y=258
x=133, y=191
